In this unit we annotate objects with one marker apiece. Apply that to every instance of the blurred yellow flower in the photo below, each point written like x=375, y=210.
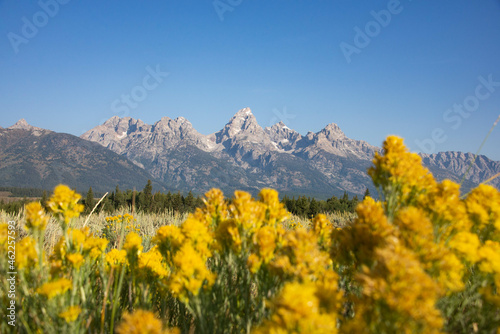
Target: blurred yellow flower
x=64, y=203
x=152, y=262
x=133, y=243
x=254, y=263
x=36, y=219
x=115, y=258
x=189, y=273
x=54, y=288
x=71, y=313
x=142, y=322
x=26, y=253
x=76, y=260
x=297, y=309
x=490, y=257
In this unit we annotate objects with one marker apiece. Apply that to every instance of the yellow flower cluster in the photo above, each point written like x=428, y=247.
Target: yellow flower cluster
x=414, y=248
x=71, y=313
x=115, y=223
x=143, y=322
x=133, y=243
x=186, y=250
x=404, y=264
x=54, y=288
x=302, y=308
x=153, y=264
x=64, y=204
x=399, y=174
x=300, y=257
x=189, y=273
x=36, y=219
x=116, y=258
x=72, y=250
x=26, y=254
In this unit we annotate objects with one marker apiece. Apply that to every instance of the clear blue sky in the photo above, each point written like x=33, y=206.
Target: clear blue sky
x=283, y=59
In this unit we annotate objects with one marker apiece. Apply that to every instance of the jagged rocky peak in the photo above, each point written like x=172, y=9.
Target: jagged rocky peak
x=178, y=128
x=124, y=125
x=242, y=123
x=332, y=132
x=279, y=132
x=23, y=125
x=166, y=122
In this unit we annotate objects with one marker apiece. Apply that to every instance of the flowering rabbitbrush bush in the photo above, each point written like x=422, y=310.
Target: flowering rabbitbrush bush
x=422, y=259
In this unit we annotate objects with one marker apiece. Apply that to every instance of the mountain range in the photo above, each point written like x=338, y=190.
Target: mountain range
x=32, y=157
x=245, y=156
x=241, y=156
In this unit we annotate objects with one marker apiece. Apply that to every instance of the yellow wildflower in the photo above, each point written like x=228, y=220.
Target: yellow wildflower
x=394, y=286
x=247, y=213
x=228, y=235
x=300, y=257
x=77, y=237
x=215, y=206
x=152, y=262
x=26, y=253
x=489, y=254
x=297, y=309
x=445, y=209
x=323, y=229
x=36, y=219
x=355, y=244
x=133, y=243
x=275, y=210
x=76, y=260
x=142, y=322
x=54, y=288
x=467, y=244
x=169, y=238
x=399, y=173
x=196, y=232
x=254, y=263
x=4, y=234
x=64, y=203
x=71, y=313
x=190, y=273
x=265, y=239
x=115, y=258
x=483, y=206
x=96, y=246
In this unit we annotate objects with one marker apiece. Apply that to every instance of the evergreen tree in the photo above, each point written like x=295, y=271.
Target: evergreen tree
x=44, y=199
x=189, y=202
x=302, y=206
x=177, y=202
x=119, y=199
x=313, y=208
x=367, y=193
x=89, y=201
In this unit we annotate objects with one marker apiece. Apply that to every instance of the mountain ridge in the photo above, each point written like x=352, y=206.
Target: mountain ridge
x=37, y=158
x=325, y=162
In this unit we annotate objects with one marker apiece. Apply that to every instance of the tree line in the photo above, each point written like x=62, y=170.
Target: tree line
x=309, y=207
x=148, y=202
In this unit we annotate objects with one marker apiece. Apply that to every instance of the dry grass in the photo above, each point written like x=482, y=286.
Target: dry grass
x=147, y=223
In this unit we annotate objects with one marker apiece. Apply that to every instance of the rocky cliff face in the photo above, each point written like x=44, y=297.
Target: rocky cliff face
x=460, y=163
x=245, y=156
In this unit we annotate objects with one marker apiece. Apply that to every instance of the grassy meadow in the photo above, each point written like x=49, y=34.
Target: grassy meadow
x=423, y=259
